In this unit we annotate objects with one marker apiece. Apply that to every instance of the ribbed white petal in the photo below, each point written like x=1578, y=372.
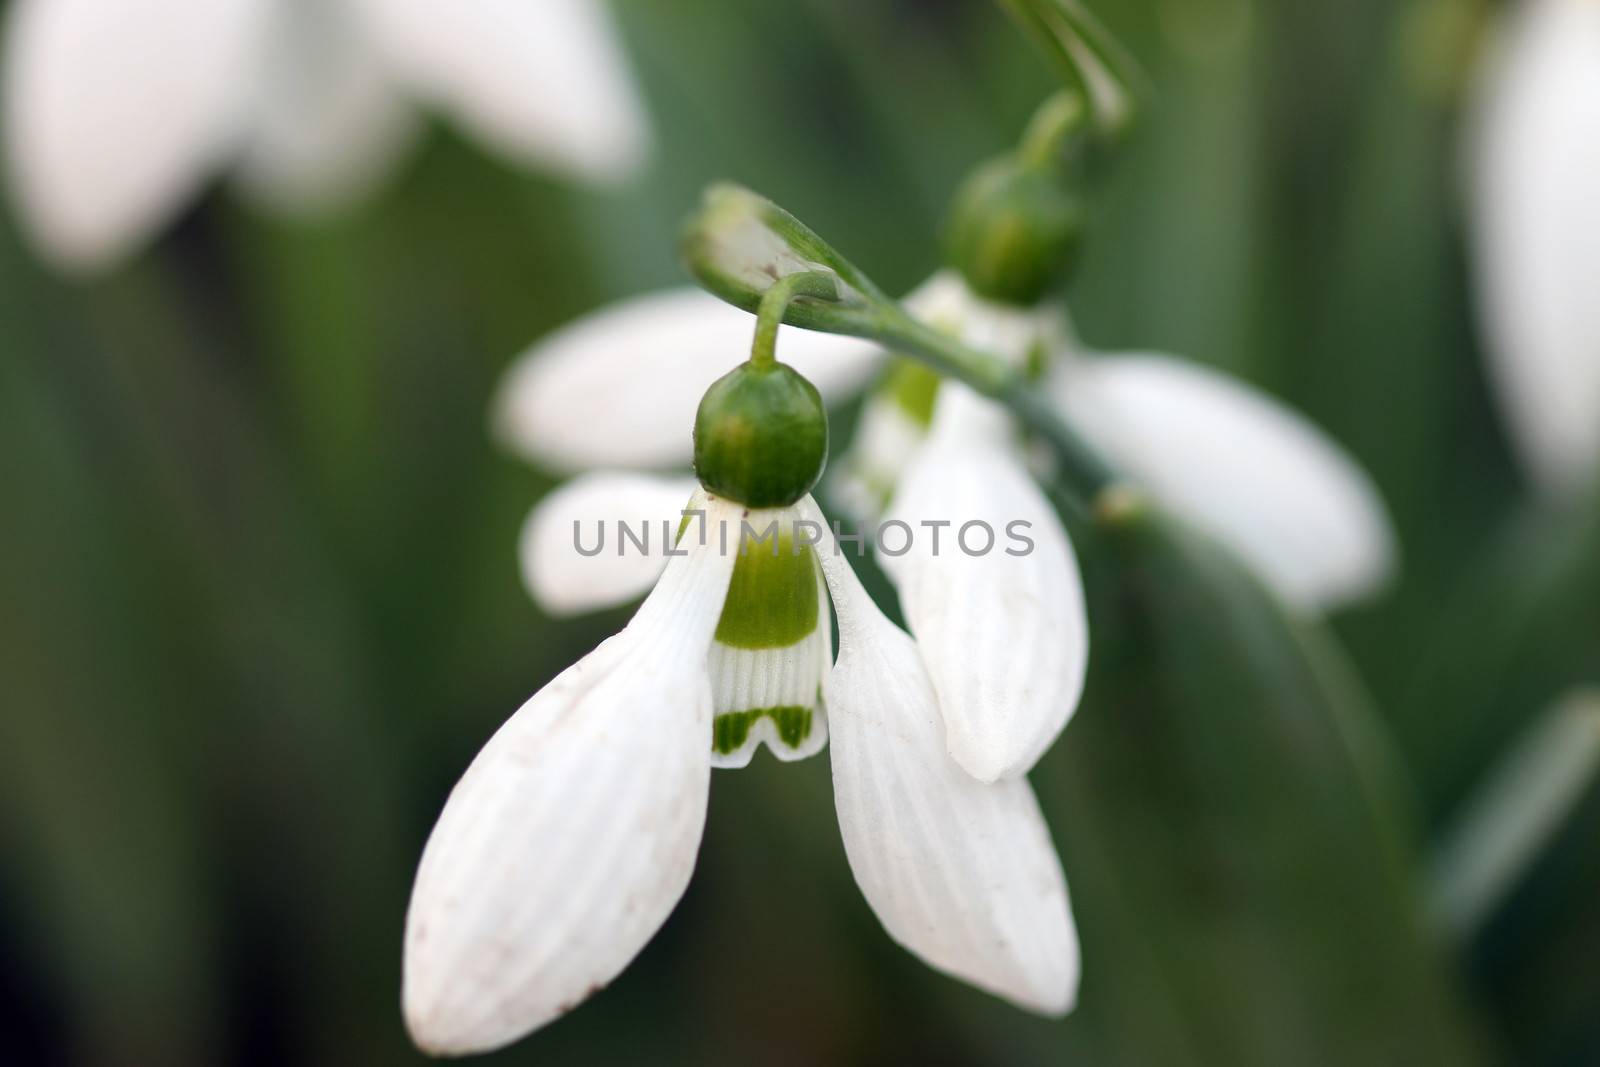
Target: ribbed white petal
x=960, y=872
x=601, y=540
x=994, y=596
x=619, y=387
x=573, y=833
x=545, y=81
x=117, y=110
x=1536, y=160
x=330, y=118
x=1242, y=467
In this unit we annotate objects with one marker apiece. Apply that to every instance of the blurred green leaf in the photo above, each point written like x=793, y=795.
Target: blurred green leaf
x=1237, y=838
x=1523, y=632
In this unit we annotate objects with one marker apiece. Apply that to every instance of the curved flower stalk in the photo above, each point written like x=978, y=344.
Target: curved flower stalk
x=573, y=833
x=116, y=113
x=1535, y=155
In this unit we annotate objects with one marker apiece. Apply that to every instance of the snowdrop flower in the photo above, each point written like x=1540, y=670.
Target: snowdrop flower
x=1535, y=158
x=1229, y=459
x=573, y=834
x=117, y=112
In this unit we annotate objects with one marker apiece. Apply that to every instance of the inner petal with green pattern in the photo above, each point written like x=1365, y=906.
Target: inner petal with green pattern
x=773, y=645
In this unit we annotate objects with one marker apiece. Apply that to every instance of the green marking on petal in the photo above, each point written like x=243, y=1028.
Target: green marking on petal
x=732, y=729
x=913, y=387
x=1038, y=361
x=772, y=599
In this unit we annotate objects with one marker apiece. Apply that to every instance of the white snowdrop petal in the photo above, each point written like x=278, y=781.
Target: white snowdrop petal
x=960, y=872
x=117, y=110
x=620, y=387
x=1243, y=468
x=991, y=590
x=545, y=82
x=330, y=119
x=573, y=833
x=1536, y=161
x=601, y=540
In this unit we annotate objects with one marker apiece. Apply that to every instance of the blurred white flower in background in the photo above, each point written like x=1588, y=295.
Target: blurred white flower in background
x=118, y=111
x=1535, y=178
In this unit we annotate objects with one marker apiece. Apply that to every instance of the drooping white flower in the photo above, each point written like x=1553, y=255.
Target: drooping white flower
x=117, y=112
x=1240, y=465
x=1535, y=155
x=573, y=833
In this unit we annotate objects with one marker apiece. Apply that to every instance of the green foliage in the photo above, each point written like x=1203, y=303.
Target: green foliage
x=1236, y=836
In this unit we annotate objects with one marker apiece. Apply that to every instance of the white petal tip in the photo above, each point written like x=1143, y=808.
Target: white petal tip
x=442, y=1037
x=1054, y=998
x=987, y=764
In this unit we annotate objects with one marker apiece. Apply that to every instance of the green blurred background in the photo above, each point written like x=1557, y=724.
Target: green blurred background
x=259, y=601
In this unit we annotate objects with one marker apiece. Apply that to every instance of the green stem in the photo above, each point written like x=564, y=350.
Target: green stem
x=1053, y=126
x=819, y=285
x=1090, y=59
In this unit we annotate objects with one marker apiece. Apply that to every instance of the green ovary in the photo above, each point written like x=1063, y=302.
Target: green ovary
x=731, y=729
x=772, y=598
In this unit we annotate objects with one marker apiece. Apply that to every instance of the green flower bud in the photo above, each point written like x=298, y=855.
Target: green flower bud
x=1014, y=230
x=761, y=436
